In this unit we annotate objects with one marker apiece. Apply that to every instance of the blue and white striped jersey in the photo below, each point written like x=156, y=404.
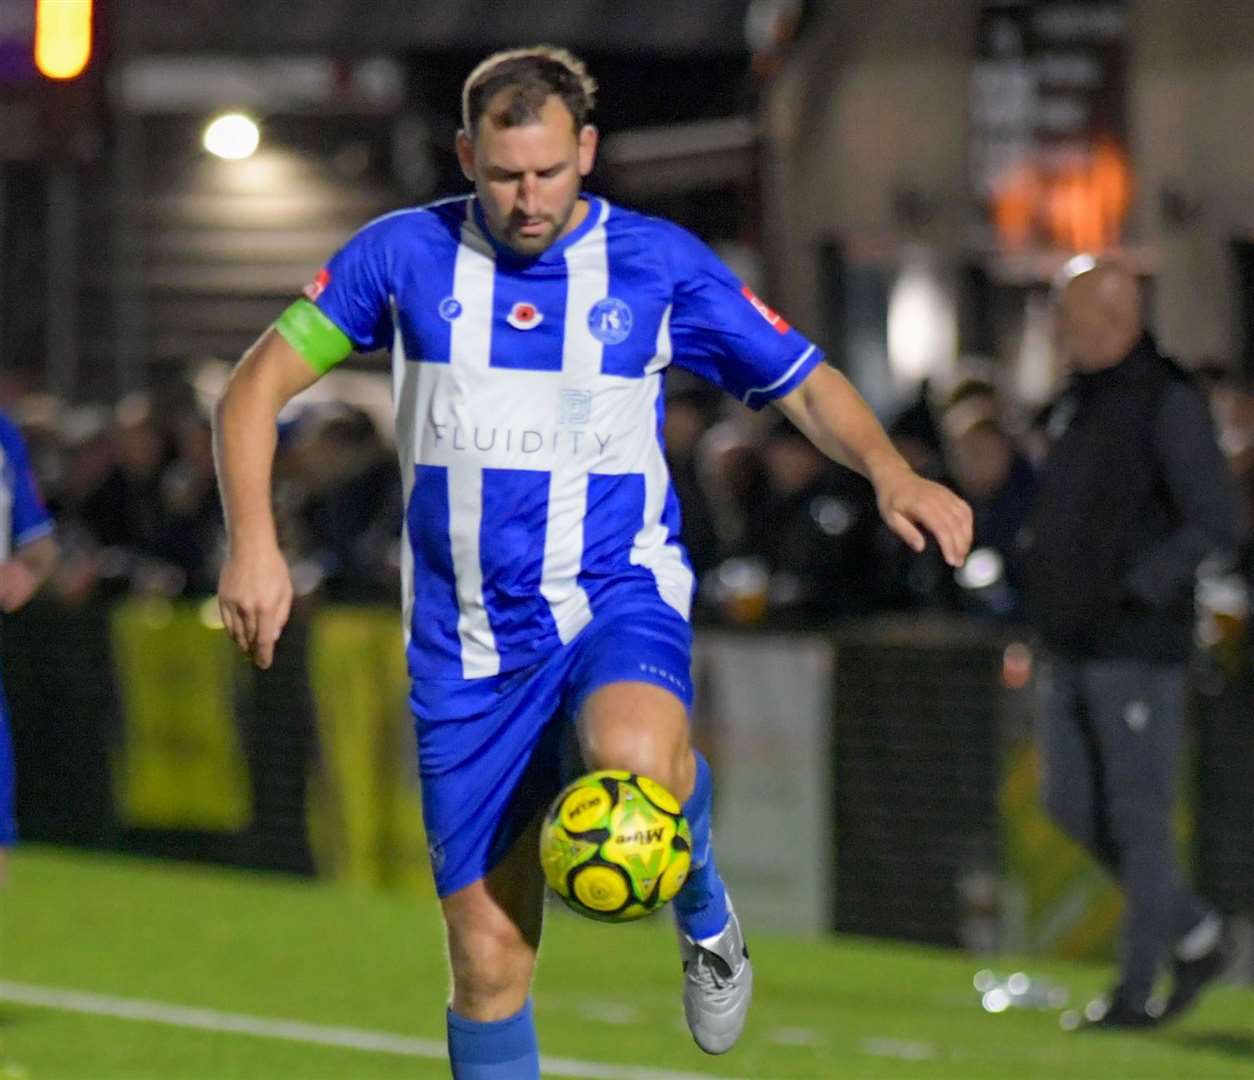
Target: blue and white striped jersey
x=22, y=514
x=528, y=398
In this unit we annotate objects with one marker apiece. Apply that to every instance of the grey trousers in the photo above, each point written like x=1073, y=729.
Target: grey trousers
x=1109, y=739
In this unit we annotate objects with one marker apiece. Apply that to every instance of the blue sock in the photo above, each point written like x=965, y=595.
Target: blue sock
x=701, y=905
x=495, y=1050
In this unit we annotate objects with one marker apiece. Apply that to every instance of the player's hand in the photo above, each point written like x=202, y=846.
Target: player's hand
x=255, y=598
x=17, y=585
x=910, y=504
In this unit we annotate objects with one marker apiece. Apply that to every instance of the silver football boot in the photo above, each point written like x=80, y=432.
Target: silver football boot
x=718, y=984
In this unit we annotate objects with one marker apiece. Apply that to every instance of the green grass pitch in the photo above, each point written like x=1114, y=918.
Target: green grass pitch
x=607, y=998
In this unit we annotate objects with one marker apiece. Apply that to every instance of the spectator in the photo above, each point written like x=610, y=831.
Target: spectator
x=999, y=484
x=346, y=497
x=123, y=511
x=190, y=531
x=687, y=418
x=819, y=540
x=1133, y=495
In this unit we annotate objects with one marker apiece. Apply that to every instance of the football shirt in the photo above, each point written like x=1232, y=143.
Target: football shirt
x=529, y=403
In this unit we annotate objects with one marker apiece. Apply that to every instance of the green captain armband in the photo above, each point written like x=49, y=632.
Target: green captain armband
x=319, y=341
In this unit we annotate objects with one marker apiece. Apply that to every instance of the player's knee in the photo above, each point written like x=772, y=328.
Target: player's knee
x=491, y=967
x=664, y=758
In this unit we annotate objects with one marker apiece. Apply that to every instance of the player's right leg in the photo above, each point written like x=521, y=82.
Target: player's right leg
x=488, y=762
x=493, y=927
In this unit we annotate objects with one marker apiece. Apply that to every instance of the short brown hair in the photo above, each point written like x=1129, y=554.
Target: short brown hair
x=534, y=74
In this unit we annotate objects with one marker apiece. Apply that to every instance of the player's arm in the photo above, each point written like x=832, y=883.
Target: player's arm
x=255, y=587
x=22, y=575
x=832, y=415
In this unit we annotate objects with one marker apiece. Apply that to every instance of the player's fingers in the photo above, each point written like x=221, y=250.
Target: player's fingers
x=233, y=623
x=263, y=654
x=948, y=532
x=16, y=590
x=905, y=528
x=268, y=627
x=224, y=613
x=284, y=612
x=248, y=624
x=960, y=532
x=966, y=533
x=947, y=519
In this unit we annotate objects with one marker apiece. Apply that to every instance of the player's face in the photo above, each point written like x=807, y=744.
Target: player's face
x=528, y=177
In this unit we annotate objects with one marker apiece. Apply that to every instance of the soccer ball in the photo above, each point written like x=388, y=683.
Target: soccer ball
x=615, y=846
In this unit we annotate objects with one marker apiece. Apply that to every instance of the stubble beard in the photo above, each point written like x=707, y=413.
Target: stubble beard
x=536, y=245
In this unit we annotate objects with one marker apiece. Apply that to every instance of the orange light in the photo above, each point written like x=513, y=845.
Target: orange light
x=62, y=37
x=1078, y=206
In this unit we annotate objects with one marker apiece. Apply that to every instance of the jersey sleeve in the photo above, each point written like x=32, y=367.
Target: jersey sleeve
x=722, y=332
x=29, y=520
x=347, y=305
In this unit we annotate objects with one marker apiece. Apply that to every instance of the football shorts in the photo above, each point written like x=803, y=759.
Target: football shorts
x=494, y=752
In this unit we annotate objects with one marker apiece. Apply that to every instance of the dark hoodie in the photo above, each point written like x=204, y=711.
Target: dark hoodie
x=1133, y=494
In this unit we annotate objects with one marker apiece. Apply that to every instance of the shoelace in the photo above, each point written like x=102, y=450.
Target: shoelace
x=704, y=970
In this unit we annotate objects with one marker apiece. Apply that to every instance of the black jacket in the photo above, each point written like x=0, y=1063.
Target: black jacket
x=1133, y=494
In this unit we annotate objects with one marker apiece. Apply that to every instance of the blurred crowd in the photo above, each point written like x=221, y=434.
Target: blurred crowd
x=134, y=495
x=777, y=534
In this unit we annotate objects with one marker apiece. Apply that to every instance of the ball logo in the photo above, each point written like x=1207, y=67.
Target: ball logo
x=524, y=316
x=609, y=321
x=772, y=317
x=585, y=808
x=319, y=285
x=450, y=308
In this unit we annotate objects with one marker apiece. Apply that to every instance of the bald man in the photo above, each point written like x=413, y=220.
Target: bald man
x=1133, y=495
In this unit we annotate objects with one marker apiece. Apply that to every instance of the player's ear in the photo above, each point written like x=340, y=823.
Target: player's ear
x=588, y=137
x=466, y=154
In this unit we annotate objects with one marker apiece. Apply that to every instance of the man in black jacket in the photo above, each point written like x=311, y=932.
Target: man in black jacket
x=1133, y=495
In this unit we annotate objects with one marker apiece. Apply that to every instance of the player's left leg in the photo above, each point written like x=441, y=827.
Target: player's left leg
x=643, y=728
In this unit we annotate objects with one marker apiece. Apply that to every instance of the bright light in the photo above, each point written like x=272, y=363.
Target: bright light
x=233, y=136
x=62, y=37
x=996, y=1001
x=922, y=323
x=984, y=567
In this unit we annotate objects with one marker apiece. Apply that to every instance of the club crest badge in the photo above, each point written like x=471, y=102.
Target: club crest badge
x=450, y=308
x=524, y=316
x=609, y=321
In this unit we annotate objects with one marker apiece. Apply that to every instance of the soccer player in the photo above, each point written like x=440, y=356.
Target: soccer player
x=546, y=594
x=28, y=553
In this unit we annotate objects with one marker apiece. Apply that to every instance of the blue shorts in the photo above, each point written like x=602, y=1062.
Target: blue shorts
x=8, y=816
x=494, y=752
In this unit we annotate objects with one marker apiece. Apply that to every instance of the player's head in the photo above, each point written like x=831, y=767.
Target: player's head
x=1098, y=313
x=526, y=142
